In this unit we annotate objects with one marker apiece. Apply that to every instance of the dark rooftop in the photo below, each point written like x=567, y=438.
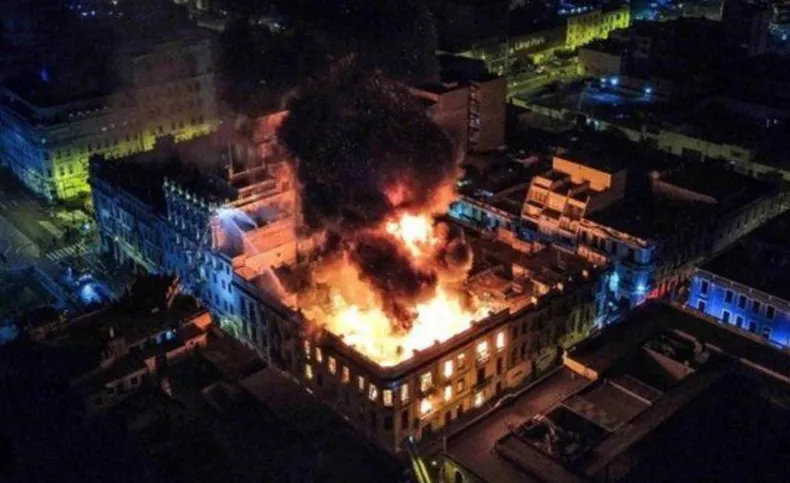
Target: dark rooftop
x=730, y=189
x=196, y=164
x=650, y=216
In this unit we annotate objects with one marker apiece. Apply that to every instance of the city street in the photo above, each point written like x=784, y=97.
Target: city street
x=534, y=82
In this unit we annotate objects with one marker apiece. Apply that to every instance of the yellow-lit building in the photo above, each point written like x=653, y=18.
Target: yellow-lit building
x=165, y=88
x=596, y=24
x=568, y=33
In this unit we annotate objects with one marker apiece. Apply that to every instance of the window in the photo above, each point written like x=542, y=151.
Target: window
x=460, y=386
x=345, y=375
x=766, y=332
x=361, y=383
x=308, y=371
x=770, y=311
x=752, y=326
x=448, y=392
x=742, y=301
x=725, y=316
x=479, y=399
x=426, y=406
x=482, y=351
x=332, y=365
x=701, y=306
x=404, y=393
x=307, y=352
x=426, y=381
x=704, y=287
x=387, y=396
x=461, y=360
x=373, y=392
x=756, y=306
x=404, y=419
x=319, y=355
x=500, y=341
x=448, y=369
x=729, y=296
x=738, y=321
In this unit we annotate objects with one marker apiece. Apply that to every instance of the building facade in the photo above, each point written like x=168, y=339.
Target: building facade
x=653, y=239
x=744, y=286
x=166, y=88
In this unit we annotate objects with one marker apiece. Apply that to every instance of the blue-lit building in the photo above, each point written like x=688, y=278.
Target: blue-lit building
x=746, y=286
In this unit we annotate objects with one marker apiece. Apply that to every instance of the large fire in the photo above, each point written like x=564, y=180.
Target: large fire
x=357, y=312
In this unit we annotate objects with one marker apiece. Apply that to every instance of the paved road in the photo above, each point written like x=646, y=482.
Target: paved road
x=537, y=82
x=16, y=249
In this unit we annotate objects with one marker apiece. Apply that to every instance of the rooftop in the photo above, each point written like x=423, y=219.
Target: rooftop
x=649, y=216
x=573, y=427
x=761, y=261
x=730, y=189
x=196, y=164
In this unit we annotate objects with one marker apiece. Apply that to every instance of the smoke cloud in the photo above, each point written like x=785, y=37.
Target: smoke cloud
x=367, y=152
x=365, y=148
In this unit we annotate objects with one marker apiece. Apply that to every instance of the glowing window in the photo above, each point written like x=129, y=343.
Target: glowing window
x=332, y=365
x=373, y=392
x=346, y=375
x=307, y=349
x=482, y=350
x=448, y=392
x=308, y=371
x=387, y=396
x=426, y=406
x=404, y=393
x=448, y=369
x=479, y=399
x=361, y=383
x=426, y=381
x=319, y=355
x=461, y=360
x=500, y=341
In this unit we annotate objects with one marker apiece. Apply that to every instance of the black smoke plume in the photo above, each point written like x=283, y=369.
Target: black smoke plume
x=365, y=152
x=365, y=148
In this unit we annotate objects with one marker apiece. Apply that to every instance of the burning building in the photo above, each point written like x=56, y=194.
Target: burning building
x=322, y=243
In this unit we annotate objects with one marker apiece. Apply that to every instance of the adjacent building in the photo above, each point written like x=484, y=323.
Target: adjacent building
x=652, y=231
x=652, y=399
x=472, y=112
x=163, y=84
x=744, y=286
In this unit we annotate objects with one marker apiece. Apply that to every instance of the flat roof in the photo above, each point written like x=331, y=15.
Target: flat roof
x=760, y=261
x=730, y=189
x=649, y=216
x=472, y=447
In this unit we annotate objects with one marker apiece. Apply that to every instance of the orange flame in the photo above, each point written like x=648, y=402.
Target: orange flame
x=355, y=314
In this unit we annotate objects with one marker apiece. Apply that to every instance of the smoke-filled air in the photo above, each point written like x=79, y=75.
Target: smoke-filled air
x=374, y=172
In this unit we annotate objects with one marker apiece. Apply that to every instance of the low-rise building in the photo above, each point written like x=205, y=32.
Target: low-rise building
x=652, y=235
x=116, y=350
x=744, y=286
x=163, y=85
x=622, y=399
